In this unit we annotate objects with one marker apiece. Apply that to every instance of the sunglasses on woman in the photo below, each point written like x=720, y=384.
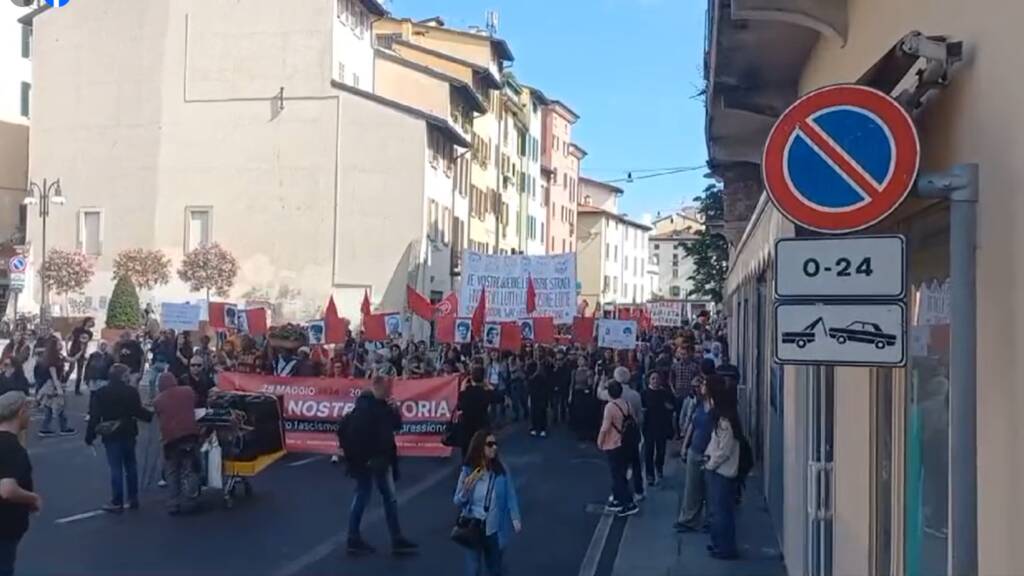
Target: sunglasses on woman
x=491, y=444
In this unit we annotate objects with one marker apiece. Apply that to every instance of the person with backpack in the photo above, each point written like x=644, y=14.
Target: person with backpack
x=634, y=464
x=722, y=467
x=618, y=438
x=367, y=436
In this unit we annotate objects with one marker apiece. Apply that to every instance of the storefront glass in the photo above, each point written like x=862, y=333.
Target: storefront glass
x=926, y=486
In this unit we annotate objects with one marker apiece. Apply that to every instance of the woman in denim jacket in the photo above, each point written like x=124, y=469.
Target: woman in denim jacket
x=485, y=491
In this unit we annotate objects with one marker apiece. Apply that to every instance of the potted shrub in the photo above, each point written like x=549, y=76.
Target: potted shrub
x=123, y=311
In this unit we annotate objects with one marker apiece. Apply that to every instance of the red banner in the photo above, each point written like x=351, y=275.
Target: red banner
x=312, y=407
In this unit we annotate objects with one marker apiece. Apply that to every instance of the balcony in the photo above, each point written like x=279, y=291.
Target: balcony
x=755, y=53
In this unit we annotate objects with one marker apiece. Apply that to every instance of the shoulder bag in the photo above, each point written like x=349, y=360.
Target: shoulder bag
x=470, y=532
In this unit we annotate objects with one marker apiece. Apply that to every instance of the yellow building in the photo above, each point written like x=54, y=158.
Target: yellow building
x=870, y=471
x=479, y=59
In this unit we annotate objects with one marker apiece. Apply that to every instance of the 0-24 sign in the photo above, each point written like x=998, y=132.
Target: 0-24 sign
x=852, y=267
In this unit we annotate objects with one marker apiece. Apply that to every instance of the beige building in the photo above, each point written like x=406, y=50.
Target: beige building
x=612, y=258
x=535, y=217
x=214, y=121
x=560, y=169
x=478, y=58
x=860, y=463
x=15, y=111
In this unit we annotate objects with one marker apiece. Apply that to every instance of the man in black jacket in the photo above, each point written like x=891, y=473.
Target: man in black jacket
x=113, y=412
x=367, y=436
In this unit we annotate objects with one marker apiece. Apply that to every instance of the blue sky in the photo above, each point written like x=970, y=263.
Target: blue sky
x=629, y=68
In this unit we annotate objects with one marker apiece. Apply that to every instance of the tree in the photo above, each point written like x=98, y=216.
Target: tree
x=209, y=268
x=710, y=251
x=146, y=269
x=66, y=271
x=123, y=310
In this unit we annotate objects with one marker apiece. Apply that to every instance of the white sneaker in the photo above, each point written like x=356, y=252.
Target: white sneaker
x=533, y=432
x=334, y=460
x=162, y=483
x=543, y=434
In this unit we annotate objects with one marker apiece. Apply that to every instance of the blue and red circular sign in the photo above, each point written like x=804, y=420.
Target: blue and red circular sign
x=841, y=159
x=17, y=264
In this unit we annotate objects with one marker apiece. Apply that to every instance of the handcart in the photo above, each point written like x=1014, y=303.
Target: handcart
x=244, y=435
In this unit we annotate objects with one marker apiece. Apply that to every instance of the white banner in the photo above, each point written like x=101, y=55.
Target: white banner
x=179, y=316
x=666, y=313
x=505, y=277
x=617, y=334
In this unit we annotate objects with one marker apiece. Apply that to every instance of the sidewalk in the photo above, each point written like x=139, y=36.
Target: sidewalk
x=650, y=547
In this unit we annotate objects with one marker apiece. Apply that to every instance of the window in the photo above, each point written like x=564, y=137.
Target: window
x=432, y=222
x=90, y=232
x=26, y=41
x=675, y=272
x=656, y=259
x=675, y=291
x=341, y=71
x=616, y=254
x=355, y=80
x=607, y=284
x=446, y=225
x=198, y=227
x=26, y=98
x=542, y=230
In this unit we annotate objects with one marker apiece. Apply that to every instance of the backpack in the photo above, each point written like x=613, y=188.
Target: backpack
x=349, y=440
x=746, y=463
x=630, y=429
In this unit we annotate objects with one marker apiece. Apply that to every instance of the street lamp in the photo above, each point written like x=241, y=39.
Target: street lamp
x=49, y=192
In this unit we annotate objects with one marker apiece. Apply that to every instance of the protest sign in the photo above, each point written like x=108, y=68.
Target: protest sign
x=312, y=407
x=616, y=334
x=506, y=279
x=179, y=316
x=666, y=313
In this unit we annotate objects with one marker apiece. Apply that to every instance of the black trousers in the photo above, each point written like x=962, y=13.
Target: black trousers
x=538, y=413
x=79, y=373
x=654, y=456
x=638, y=470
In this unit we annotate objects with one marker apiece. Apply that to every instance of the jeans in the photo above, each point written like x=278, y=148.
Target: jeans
x=8, y=554
x=654, y=457
x=694, y=492
x=121, y=458
x=365, y=479
x=155, y=370
x=62, y=420
x=79, y=372
x=722, y=499
x=487, y=560
x=538, y=413
x=618, y=462
x=181, y=468
x=520, y=402
x=637, y=467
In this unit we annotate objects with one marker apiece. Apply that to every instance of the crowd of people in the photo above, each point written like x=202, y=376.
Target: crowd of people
x=675, y=384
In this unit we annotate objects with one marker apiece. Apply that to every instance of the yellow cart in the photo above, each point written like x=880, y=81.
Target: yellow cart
x=237, y=474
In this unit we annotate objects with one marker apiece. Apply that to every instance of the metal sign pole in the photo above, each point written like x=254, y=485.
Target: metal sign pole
x=960, y=187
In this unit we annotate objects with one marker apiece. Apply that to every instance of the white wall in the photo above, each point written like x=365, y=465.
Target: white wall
x=301, y=195
x=353, y=44
x=627, y=269
x=664, y=250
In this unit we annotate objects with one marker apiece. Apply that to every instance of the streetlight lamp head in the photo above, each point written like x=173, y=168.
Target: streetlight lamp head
x=30, y=201
x=57, y=196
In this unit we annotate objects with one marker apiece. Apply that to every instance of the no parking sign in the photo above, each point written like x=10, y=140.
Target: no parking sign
x=841, y=159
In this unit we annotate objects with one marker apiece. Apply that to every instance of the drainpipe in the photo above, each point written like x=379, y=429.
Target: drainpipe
x=960, y=187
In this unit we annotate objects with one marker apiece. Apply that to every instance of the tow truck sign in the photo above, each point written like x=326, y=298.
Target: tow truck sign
x=842, y=334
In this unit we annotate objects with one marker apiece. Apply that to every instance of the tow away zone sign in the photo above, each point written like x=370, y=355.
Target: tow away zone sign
x=841, y=334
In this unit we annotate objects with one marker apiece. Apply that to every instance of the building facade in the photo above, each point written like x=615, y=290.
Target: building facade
x=612, y=258
x=560, y=174
x=882, y=441
x=536, y=213
x=485, y=55
x=223, y=140
x=15, y=111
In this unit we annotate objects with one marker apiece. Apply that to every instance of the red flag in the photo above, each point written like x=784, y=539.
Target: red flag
x=480, y=313
x=365, y=308
x=445, y=313
x=583, y=330
x=418, y=303
x=335, y=327
x=374, y=327
x=215, y=312
x=256, y=318
x=544, y=330
x=511, y=337
x=531, y=296
x=449, y=307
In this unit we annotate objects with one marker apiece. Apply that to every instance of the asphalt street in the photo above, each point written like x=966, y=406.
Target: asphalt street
x=296, y=520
